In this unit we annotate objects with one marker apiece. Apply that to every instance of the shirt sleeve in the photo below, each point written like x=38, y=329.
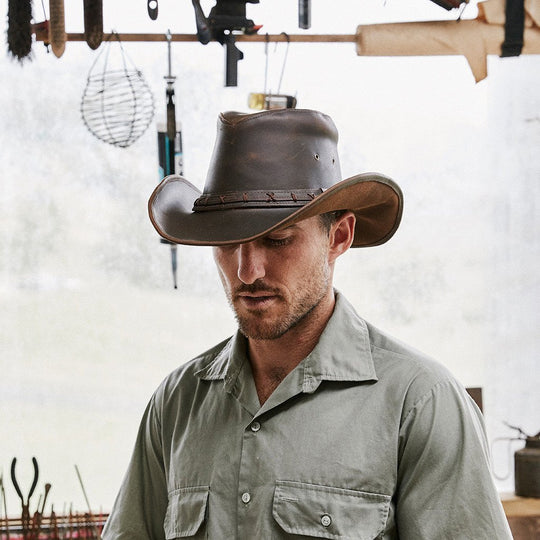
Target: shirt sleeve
x=140, y=507
x=445, y=487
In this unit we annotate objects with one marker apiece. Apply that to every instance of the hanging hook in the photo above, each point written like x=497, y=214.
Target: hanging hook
x=168, y=36
x=465, y=4
x=266, y=41
x=284, y=59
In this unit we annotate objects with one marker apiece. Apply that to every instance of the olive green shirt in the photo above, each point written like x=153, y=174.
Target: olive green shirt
x=365, y=438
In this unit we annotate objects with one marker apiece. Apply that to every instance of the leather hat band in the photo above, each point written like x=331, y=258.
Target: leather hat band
x=256, y=199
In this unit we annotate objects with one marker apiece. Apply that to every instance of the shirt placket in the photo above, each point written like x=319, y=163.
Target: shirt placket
x=255, y=481
x=249, y=493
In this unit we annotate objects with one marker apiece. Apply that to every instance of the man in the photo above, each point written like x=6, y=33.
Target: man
x=309, y=422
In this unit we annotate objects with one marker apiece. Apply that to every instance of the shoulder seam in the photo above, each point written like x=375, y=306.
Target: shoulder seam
x=426, y=396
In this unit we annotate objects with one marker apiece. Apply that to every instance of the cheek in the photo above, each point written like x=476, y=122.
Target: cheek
x=296, y=268
x=223, y=266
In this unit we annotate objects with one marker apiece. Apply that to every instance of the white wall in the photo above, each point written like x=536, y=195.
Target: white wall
x=89, y=322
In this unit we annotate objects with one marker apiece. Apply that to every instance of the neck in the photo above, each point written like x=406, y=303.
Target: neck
x=272, y=360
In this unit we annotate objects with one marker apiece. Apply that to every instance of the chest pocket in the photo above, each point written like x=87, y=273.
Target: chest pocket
x=328, y=512
x=186, y=512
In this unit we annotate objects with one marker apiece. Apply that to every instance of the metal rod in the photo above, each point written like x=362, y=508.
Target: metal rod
x=168, y=35
x=2, y=490
x=98, y=536
x=256, y=38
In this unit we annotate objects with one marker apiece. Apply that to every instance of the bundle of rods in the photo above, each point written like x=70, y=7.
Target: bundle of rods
x=68, y=526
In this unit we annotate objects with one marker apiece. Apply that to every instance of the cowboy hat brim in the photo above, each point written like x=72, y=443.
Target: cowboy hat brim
x=375, y=199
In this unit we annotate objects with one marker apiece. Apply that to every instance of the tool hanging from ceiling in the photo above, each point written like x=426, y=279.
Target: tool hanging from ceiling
x=93, y=23
x=170, y=145
x=228, y=17
x=267, y=99
x=304, y=14
x=152, y=7
x=19, y=31
x=225, y=18
x=117, y=104
x=57, y=27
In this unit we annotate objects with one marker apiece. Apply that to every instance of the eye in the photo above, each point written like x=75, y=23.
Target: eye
x=277, y=241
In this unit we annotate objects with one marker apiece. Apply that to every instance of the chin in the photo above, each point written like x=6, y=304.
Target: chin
x=259, y=332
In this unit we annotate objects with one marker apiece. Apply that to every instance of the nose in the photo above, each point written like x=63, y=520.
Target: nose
x=251, y=263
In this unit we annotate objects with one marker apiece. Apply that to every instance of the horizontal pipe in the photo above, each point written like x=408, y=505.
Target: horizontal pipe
x=293, y=38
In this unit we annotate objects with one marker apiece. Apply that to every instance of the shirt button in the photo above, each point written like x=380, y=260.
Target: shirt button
x=246, y=497
x=255, y=426
x=326, y=520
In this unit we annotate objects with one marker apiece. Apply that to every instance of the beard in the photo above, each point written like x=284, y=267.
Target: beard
x=289, y=310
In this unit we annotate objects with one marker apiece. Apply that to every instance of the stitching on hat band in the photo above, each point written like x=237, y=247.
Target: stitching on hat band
x=255, y=199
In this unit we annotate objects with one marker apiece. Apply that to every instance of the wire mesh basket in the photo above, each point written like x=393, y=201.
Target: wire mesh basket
x=117, y=104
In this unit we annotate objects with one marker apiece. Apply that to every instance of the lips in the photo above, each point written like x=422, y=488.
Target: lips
x=256, y=301
x=257, y=295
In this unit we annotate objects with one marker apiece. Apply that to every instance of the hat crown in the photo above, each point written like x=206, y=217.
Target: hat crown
x=270, y=170
x=276, y=150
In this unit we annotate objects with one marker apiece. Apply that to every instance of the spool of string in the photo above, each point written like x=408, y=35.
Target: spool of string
x=93, y=23
x=57, y=27
x=117, y=104
x=19, y=31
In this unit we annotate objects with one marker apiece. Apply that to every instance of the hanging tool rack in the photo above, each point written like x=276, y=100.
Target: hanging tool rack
x=233, y=54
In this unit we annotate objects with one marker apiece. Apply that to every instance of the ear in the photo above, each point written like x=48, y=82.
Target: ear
x=341, y=235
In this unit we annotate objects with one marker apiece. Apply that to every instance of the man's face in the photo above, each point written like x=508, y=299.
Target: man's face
x=275, y=282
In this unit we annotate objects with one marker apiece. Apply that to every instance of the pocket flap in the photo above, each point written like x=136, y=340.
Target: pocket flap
x=329, y=512
x=185, y=512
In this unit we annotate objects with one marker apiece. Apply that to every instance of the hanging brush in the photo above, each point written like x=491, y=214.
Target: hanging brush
x=19, y=33
x=57, y=27
x=93, y=23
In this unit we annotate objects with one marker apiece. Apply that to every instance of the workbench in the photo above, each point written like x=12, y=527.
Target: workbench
x=523, y=515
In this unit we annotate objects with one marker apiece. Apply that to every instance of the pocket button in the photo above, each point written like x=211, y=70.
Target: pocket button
x=326, y=520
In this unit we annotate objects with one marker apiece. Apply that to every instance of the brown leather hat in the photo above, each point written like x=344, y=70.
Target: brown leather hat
x=269, y=170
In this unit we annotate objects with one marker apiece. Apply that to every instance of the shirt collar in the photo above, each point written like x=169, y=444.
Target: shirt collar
x=228, y=362
x=343, y=353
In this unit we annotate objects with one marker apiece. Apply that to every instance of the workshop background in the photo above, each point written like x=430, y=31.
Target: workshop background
x=90, y=322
